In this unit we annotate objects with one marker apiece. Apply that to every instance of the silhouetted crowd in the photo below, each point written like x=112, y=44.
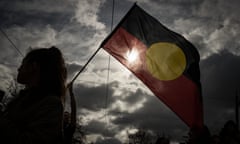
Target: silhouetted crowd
x=229, y=134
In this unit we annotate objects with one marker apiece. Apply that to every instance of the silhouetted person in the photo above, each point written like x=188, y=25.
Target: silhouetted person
x=69, y=123
x=162, y=140
x=229, y=133
x=199, y=135
x=215, y=139
x=35, y=116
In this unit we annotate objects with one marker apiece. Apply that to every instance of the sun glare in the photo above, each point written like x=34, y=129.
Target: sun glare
x=132, y=55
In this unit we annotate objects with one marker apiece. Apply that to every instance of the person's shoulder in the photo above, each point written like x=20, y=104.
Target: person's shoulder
x=52, y=105
x=52, y=100
x=52, y=97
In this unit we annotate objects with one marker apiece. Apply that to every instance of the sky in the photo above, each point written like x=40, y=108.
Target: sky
x=111, y=101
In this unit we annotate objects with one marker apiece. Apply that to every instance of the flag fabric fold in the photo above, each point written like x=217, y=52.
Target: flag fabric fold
x=162, y=59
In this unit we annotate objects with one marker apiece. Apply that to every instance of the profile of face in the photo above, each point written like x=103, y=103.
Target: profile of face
x=43, y=68
x=27, y=72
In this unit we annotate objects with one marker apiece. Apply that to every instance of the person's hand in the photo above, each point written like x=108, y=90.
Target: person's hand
x=70, y=88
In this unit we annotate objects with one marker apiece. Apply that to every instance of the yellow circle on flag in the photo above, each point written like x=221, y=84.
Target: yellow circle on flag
x=165, y=61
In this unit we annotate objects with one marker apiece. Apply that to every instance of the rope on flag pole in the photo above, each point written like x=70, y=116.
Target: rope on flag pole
x=109, y=62
x=11, y=42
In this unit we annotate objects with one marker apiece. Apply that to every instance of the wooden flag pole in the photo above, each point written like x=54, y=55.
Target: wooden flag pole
x=75, y=77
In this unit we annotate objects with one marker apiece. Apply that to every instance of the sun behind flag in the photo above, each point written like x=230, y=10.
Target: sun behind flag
x=162, y=59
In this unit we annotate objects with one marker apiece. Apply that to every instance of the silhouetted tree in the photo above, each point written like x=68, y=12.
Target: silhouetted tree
x=141, y=137
x=162, y=140
x=199, y=135
x=79, y=135
x=229, y=133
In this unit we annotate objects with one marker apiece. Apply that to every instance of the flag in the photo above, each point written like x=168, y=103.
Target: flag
x=163, y=60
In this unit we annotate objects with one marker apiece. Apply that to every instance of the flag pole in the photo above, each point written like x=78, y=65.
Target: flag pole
x=75, y=77
x=118, y=25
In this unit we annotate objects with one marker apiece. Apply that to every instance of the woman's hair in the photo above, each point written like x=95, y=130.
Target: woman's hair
x=52, y=69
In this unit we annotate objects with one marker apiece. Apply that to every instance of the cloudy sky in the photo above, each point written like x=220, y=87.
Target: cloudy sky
x=108, y=113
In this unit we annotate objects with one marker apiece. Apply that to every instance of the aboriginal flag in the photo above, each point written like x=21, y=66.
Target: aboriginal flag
x=162, y=59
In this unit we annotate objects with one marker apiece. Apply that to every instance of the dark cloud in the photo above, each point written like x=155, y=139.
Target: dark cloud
x=135, y=96
x=108, y=141
x=91, y=97
x=97, y=127
x=168, y=11
x=8, y=55
x=120, y=9
x=220, y=76
x=153, y=116
x=33, y=12
x=72, y=69
x=95, y=97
